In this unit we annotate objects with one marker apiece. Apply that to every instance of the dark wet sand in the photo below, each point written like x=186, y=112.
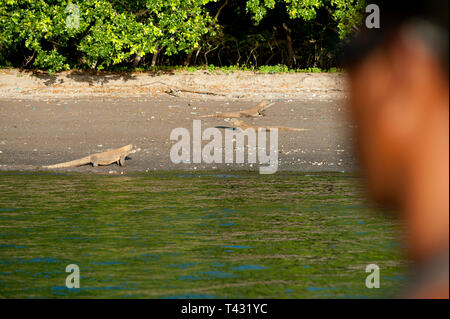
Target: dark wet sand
x=35, y=133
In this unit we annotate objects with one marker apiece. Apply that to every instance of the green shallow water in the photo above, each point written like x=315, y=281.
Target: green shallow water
x=182, y=235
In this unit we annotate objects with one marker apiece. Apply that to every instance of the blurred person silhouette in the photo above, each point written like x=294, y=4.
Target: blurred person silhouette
x=399, y=83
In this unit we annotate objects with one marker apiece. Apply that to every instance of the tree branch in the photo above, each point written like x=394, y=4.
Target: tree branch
x=220, y=9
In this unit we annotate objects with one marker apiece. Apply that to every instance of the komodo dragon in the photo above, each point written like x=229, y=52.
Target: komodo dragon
x=255, y=111
x=104, y=158
x=243, y=126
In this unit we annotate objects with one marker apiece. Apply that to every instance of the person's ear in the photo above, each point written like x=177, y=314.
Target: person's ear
x=406, y=105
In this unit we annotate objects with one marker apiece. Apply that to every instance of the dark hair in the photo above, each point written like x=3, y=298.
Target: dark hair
x=428, y=18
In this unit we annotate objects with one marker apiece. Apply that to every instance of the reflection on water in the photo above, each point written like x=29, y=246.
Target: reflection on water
x=205, y=235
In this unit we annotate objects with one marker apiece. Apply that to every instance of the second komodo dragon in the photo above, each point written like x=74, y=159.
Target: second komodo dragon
x=104, y=158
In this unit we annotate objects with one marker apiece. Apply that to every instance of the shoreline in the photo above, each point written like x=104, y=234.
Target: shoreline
x=43, y=124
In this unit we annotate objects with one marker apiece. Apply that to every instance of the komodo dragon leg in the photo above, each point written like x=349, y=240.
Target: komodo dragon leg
x=122, y=160
x=94, y=160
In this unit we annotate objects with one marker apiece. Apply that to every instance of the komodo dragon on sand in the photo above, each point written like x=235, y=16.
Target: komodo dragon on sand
x=240, y=124
x=255, y=111
x=104, y=158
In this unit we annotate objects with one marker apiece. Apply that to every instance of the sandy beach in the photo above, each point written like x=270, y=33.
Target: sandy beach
x=46, y=120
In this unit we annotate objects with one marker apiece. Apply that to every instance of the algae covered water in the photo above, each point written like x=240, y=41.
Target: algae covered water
x=203, y=235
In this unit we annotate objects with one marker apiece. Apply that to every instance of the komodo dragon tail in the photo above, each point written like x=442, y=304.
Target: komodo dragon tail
x=74, y=163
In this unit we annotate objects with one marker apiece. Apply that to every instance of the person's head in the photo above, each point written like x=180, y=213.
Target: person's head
x=399, y=87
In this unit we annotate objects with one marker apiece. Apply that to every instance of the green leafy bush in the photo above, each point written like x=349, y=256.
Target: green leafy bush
x=107, y=33
x=347, y=14
x=119, y=34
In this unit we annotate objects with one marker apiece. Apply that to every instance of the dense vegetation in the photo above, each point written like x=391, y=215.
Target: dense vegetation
x=114, y=34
